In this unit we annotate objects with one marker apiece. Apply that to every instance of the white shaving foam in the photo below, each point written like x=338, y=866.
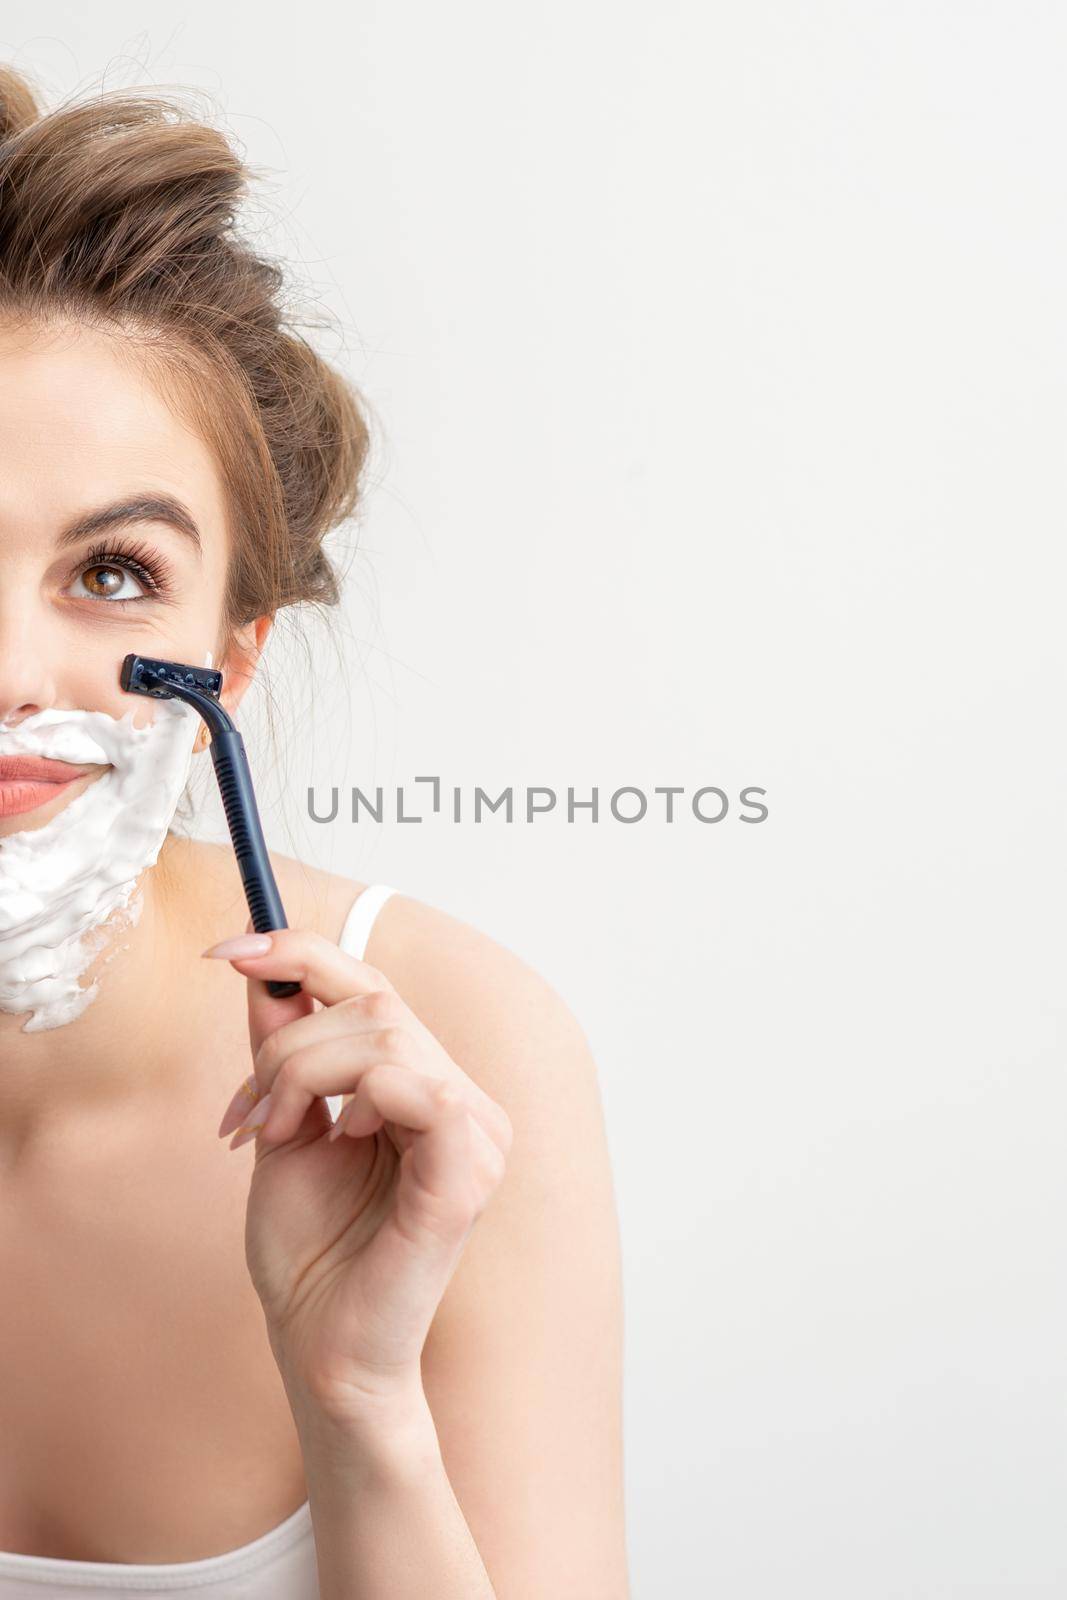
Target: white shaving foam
x=60, y=883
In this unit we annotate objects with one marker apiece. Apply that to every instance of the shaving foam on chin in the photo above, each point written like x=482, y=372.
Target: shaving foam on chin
x=60, y=883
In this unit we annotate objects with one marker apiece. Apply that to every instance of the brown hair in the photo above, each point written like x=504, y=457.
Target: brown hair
x=119, y=211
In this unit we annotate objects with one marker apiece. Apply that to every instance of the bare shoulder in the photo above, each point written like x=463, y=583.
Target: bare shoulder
x=499, y=1018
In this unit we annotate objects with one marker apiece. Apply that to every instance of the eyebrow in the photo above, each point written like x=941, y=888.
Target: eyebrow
x=134, y=508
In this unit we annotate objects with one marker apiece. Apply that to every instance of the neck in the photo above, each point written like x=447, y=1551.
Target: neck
x=122, y=1054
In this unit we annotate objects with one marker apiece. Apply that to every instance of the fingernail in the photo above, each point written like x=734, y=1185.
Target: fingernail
x=253, y=1123
x=242, y=1102
x=245, y=944
x=338, y=1126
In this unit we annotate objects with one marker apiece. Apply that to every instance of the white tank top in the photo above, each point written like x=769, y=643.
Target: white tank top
x=279, y=1565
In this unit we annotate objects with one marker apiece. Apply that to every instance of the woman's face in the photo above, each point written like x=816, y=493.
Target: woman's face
x=112, y=536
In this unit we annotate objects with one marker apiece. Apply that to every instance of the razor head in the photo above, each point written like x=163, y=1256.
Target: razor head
x=145, y=675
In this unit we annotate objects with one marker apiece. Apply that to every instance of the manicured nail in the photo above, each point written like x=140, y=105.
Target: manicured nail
x=239, y=1106
x=245, y=944
x=253, y=1123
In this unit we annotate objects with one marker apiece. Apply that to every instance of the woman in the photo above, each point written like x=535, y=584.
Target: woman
x=386, y=1364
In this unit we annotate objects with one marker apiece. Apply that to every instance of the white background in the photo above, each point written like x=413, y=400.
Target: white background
x=718, y=354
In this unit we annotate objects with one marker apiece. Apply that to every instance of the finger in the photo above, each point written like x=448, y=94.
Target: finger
x=378, y=1026
x=266, y=1012
x=337, y=1066
x=488, y=1158
x=320, y=1071
x=390, y=1094
x=322, y=968
x=360, y=1013
x=448, y=1190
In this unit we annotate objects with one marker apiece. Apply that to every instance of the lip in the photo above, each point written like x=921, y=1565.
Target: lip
x=38, y=769
x=27, y=782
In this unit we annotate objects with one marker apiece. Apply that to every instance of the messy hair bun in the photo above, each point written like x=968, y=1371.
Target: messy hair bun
x=119, y=211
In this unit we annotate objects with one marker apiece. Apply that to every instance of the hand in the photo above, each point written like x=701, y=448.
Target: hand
x=351, y=1240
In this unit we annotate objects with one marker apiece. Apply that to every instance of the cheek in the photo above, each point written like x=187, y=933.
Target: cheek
x=98, y=686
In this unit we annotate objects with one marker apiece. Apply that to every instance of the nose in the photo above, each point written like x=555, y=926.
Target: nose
x=11, y=719
x=30, y=660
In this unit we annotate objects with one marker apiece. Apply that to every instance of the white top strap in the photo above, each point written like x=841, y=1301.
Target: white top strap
x=360, y=919
x=353, y=940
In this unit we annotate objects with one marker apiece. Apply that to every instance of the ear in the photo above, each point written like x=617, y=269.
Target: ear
x=238, y=665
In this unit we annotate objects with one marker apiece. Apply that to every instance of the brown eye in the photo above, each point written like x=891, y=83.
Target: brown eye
x=123, y=574
x=108, y=583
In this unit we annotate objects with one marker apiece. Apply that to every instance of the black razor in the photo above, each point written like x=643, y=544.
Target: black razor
x=200, y=687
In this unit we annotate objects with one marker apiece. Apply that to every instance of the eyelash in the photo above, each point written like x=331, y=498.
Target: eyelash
x=137, y=558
